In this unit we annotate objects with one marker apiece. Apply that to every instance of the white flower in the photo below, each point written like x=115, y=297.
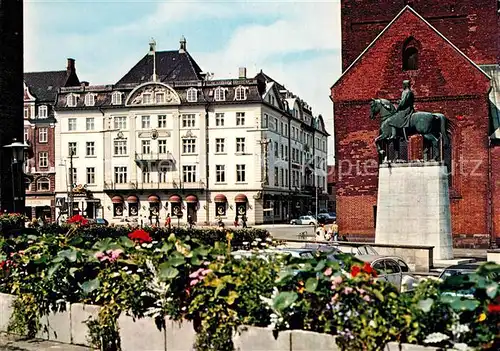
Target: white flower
x=149, y=246
x=139, y=270
x=125, y=268
x=435, y=338
x=137, y=247
x=245, y=243
x=157, y=250
x=258, y=239
x=372, y=324
x=144, y=245
x=458, y=329
x=154, y=242
x=461, y=347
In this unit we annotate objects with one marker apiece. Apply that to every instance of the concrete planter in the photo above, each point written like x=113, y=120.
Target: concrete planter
x=80, y=313
x=179, y=336
x=140, y=334
x=6, y=301
x=493, y=256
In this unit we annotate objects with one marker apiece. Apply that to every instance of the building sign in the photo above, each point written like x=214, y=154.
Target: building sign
x=133, y=209
x=220, y=208
x=80, y=190
x=60, y=202
x=241, y=209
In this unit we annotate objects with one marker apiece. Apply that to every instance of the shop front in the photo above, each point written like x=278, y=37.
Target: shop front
x=40, y=207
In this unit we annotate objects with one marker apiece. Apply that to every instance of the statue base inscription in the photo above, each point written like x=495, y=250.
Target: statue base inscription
x=413, y=206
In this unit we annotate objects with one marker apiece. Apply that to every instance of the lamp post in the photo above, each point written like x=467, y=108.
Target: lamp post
x=17, y=172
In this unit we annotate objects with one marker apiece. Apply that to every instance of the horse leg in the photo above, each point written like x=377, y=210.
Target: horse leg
x=395, y=143
x=434, y=145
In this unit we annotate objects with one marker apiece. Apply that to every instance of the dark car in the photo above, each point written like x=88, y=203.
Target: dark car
x=99, y=221
x=325, y=218
x=459, y=269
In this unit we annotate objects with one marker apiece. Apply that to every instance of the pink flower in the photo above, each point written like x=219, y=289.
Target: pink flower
x=194, y=282
x=116, y=253
x=361, y=291
x=337, y=280
x=367, y=298
x=328, y=272
x=348, y=290
x=195, y=274
x=335, y=298
x=99, y=255
x=206, y=271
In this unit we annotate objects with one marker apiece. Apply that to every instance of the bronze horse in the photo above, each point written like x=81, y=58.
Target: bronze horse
x=432, y=126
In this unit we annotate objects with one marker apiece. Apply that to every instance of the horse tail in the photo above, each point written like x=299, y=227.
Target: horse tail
x=444, y=128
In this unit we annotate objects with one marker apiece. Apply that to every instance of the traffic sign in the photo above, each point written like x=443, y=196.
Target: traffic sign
x=60, y=202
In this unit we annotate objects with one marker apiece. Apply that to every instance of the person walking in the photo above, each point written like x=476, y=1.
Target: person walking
x=236, y=221
x=320, y=233
x=244, y=221
x=335, y=231
x=168, y=221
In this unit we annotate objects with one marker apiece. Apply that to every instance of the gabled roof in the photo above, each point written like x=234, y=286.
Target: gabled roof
x=407, y=8
x=44, y=85
x=170, y=66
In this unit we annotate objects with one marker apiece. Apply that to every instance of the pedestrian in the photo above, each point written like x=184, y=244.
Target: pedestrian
x=190, y=222
x=244, y=221
x=157, y=221
x=320, y=233
x=168, y=221
x=220, y=223
x=335, y=231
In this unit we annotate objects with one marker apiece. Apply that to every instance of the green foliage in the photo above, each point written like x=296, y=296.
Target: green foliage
x=191, y=275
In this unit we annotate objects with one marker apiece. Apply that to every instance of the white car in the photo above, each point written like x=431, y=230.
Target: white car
x=388, y=269
x=308, y=220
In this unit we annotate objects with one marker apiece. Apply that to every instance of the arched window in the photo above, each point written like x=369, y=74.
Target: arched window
x=192, y=95
x=43, y=184
x=240, y=93
x=220, y=94
x=411, y=50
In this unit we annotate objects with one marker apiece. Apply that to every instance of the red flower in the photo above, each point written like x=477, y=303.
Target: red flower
x=2, y=264
x=78, y=219
x=140, y=235
x=367, y=268
x=355, y=270
x=493, y=308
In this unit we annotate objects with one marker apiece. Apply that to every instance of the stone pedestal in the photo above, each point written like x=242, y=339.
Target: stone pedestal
x=413, y=207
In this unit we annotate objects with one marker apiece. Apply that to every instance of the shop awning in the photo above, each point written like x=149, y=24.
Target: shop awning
x=132, y=199
x=240, y=198
x=153, y=198
x=220, y=198
x=175, y=199
x=117, y=199
x=191, y=199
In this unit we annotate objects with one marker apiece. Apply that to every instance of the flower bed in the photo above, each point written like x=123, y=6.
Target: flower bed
x=166, y=277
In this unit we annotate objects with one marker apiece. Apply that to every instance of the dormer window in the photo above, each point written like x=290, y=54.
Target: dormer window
x=240, y=93
x=192, y=95
x=160, y=98
x=146, y=98
x=116, y=98
x=89, y=100
x=220, y=94
x=42, y=111
x=71, y=100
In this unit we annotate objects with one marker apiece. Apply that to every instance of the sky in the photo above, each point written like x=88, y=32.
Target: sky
x=297, y=43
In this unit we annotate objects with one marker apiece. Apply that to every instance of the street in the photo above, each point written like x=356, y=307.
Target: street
x=286, y=231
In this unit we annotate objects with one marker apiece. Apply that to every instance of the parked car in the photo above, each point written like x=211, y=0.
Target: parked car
x=325, y=218
x=308, y=220
x=459, y=269
x=387, y=268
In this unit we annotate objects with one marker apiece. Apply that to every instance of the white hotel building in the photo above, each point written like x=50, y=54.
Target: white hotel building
x=156, y=144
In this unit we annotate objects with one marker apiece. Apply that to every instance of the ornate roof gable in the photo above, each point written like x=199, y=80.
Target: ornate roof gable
x=151, y=93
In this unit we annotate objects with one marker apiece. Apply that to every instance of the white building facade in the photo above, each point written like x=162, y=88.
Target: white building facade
x=201, y=148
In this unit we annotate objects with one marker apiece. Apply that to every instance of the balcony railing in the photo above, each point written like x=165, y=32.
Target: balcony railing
x=120, y=186
x=156, y=157
x=172, y=185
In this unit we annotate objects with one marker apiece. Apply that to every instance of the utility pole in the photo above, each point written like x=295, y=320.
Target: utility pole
x=71, y=186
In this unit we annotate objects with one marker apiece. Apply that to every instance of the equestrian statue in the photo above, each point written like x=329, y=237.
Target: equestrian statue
x=404, y=121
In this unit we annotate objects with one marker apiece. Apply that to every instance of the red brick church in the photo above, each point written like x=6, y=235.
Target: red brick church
x=450, y=52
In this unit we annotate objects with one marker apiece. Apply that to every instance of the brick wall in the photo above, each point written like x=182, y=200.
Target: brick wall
x=470, y=24
x=445, y=82
x=11, y=89
x=495, y=187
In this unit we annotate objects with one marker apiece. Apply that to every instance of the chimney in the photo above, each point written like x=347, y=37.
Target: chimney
x=71, y=66
x=243, y=73
x=182, y=48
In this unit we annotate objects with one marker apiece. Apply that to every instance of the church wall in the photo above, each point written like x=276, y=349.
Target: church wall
x=470, y=24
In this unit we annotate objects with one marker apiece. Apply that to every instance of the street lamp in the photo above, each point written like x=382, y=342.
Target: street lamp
x=18, y=190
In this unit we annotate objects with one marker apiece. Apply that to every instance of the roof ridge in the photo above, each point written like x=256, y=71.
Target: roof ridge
x=63, y=70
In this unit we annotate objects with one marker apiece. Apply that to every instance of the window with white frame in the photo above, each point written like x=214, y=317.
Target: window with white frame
x=73, y=175
x=43, y=159
x=265, y=120
x=90, y=148
x=71, y=124
x=163, y=174
x=42, y=111
x=220, y=173
x=240, y=144
x=160, y=98
x=27, y=112
x=89, y=123
x=72, y=148
x=146, y=175
x=120, y=122
x=43, y=184
x=147, y=98
x=26, y=134
x=220, y=144
x=240, y=118
x=71, y=100
x=120, y=175
x=145, y=122
x=219, y=119
x=188, y=120
x=89, y=99
x=240, y=93
x=189, y=173
x=116, y=98
x=189, y=146
x=90, y=175
x=162, y=146
x=43, y=135
x=162, y=121
x=192, y=95
x=241, y=173
x=120, y=147
x=220, y=94
x=146, y=146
